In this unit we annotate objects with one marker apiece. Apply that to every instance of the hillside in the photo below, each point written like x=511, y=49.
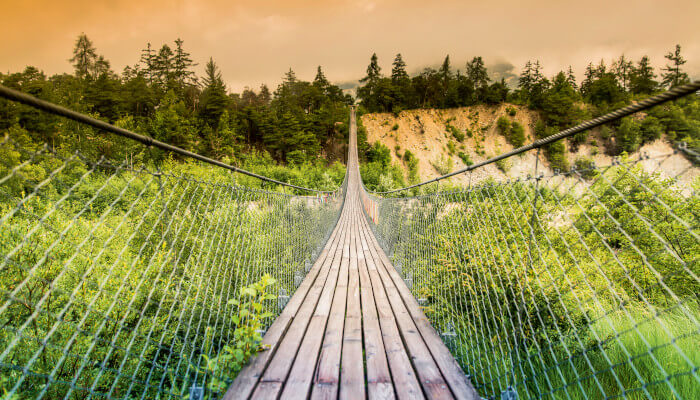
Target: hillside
x=428, y=134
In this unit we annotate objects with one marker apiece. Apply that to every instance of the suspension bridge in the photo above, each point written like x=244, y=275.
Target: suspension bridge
x=134, y=282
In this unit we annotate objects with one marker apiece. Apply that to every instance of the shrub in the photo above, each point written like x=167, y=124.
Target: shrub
x=451, y=147
x=443, y=165
x=628, y=136
x=379, y=153
x=503, y=125
x=651, y=129
x=511, y=111
x=395, y=127
x=586, y=168
x=465, y=158
x=516, y=136
x=459, y=135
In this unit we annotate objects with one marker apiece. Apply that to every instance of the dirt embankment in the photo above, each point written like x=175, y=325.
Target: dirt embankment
x=429, y=135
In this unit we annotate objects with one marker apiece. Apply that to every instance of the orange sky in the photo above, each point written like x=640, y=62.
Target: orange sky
x=257, y=41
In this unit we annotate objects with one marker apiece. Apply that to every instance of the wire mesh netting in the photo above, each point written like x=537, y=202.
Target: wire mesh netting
x=575, y=285
x=128, y=282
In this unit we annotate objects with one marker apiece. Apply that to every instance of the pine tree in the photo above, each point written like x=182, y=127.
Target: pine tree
x=164, y=65
x=264, y=96
x=525, y=81
x=148, y=59
x=622, y=69
x=476, y=72
x=373, y=71
x=182, y=64
x=589, y=76
x=398, y=72
x=214, y=99
x=445, y=72
x=642, y=78
x=320, y=80
x=673, y=75
x=571, y=78
x=84, y=57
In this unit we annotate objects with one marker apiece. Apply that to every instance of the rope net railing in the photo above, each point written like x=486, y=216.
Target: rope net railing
x=575, y=285
x=130, y=281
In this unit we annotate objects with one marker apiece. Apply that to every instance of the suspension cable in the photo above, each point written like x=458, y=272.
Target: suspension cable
x=55, y=109
x=645, y=104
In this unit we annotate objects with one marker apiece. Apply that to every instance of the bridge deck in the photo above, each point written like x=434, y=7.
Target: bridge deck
x=352, y=329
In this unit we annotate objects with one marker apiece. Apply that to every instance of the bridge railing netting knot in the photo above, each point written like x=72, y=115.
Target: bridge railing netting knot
x=580, y=284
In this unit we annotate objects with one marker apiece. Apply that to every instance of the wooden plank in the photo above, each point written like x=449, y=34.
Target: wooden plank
x=299, y=381
x=327, y=376
x=403, y=375
x=430, y=377
x=276, y=373
x=379, y=382
x=458, y=382
x=352, y=385
x=248, y=377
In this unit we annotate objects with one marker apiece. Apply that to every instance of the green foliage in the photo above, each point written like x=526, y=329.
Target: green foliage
x=605, y=257
x=249, y=319
x=465, y=158
x=456, y=133
x=511, y=111
x=451, y=147
x=627, y=135
x=503, y=125
x=412, y=164
x=442, y=165
x=586, y=168
x=516, y=136
x=513, y=132
x=395, y=127
x=378, y=152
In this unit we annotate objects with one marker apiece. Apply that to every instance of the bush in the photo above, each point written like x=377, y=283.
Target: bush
x=443, y=165
x=628, y=136
x=503, y=125
x=516, y=137
x=456, y=133
x=465, y=158
x=511, y=111
x=412, y=163
x=379, y=153
x=395, y=127
x=503, y=165
x=651, y=129
x=586, y=168
x=451, y=147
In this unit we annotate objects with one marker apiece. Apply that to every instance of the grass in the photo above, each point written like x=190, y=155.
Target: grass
x=616, y=362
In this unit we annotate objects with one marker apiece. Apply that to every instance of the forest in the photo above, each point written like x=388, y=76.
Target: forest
x=561, y=101
x=162, y=97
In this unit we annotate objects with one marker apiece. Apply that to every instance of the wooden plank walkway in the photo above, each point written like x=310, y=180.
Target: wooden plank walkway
x=352, y=330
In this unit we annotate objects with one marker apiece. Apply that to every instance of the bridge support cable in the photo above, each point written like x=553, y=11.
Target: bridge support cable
x=574, y=284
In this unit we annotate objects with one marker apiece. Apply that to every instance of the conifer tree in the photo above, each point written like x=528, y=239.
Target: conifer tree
x=84, y=57
x=398, y=71
x=182, y=65
x=673, y=75
x=642, y=78
x=622, y=69
x=214, y=99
